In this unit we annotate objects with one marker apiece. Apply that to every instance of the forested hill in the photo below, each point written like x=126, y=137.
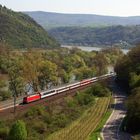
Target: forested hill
x=19, y=30
x=51, y=20
x=88, y=36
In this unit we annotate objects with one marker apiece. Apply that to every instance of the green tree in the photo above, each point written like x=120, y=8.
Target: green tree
x=30, y=67
x=15, y=79
x=134, y=80
x=18, y=131
x=48, y=73
x=101, y=63
x=133, y=111
x=128, y=70
x=64, y=76
x=100, y=90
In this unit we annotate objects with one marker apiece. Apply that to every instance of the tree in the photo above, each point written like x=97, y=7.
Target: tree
x=134, y=80
x=133, y=111
x=64, y=76
x=4, y=94
x=30, y=67
x=15, y=78
x=18, y=131
x=128, y=70
x=101, y=63
x=48, y=73
x=83, y=73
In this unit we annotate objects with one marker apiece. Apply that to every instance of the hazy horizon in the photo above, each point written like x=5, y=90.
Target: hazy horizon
x=79, y=13
x=125, y=8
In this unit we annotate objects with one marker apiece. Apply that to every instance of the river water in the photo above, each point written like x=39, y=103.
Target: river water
x=125, y=51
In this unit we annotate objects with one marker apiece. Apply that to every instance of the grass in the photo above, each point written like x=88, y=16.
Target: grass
x=84, y=126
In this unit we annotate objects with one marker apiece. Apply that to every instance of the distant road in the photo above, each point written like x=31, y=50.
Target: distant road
x=91, y=48
x=112, y=127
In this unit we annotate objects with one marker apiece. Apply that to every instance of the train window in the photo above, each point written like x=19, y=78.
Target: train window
x=62, y=88
x=48, y=92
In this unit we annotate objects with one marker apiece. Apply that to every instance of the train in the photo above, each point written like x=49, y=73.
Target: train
x=51, y=92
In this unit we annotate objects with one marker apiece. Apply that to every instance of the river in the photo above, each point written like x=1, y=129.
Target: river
x=125, y=51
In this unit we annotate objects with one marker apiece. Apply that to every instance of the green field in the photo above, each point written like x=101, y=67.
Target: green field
x=83, y=127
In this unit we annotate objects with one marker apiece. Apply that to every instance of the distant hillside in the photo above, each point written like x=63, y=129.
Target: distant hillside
x=51, y=20
x=87, y=36
x=19, y=30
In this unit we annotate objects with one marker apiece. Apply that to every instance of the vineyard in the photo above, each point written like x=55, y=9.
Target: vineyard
x=82, y=128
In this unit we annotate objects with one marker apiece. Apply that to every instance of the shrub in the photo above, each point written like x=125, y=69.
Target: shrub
x=84, y=98
x=4, y=132
x=100, y=91
x=35, y=111
x=18, y=131
x=5, y=95
x=71, y=102
x=47, y=118
x=60, y=120
x=40, y=127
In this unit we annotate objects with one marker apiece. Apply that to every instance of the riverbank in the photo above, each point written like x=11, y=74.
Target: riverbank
x=89, y=49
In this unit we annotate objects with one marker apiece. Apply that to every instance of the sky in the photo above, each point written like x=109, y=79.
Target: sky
x=99, y=7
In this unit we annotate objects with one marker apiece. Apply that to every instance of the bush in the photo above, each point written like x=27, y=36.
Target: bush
x=84, y=98
x=35, y=111
x=100, y=91
x=18, y=131
x=47, y=118
x=40, y=127
x=60, y=120
x=33, y=135
x=4, y=132
x=71, y=102
x=137, y=137
x=1, y=98
x=4, y=95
